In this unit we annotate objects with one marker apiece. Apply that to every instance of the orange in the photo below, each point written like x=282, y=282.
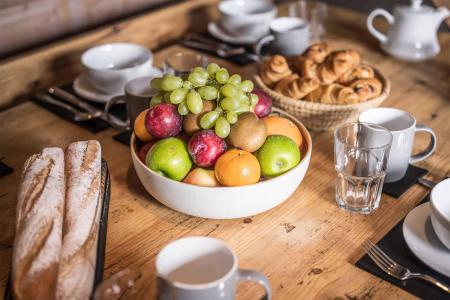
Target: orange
x=282, y=126
x=237, y=167
x=139, y=127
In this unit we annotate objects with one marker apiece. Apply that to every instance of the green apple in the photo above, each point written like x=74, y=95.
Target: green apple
x=277, y=155
x=170, y=158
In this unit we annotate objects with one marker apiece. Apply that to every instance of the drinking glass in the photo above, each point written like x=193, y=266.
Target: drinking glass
x=180, y=63
x=314, y=12
x=361, y=153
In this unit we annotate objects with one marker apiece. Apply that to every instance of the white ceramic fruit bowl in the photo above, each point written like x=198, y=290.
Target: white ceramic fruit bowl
x=225, y=202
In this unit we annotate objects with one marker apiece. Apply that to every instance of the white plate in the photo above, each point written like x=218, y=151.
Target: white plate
x=216, y=31
x=85, y=89
x=423, y=242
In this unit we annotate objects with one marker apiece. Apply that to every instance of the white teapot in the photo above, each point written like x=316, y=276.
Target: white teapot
x=412, y=34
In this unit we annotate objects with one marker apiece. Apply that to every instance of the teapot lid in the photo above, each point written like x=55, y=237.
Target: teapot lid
x=416, y=7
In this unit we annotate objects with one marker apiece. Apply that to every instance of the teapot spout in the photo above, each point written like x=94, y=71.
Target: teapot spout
x=441, y=14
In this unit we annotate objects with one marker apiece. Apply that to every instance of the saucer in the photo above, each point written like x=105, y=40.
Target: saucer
x=216, y=31
x=423, y=242
x=83, y=87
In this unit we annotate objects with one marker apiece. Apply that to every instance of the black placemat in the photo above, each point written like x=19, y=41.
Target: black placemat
x=124, y=137
x=5, y=169
x=397, y=188
x=95, y=125
x=395, y=246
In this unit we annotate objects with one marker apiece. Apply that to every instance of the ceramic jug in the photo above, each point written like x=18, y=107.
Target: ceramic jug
x=412, y=34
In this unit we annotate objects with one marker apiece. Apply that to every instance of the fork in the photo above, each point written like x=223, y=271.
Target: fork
x=389, y=266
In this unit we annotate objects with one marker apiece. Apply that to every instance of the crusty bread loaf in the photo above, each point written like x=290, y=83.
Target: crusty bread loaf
x=40, y=208
x=82, y=214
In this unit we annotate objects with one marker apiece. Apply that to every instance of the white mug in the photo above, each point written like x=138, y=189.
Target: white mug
x=403, y=128
x=288, y=36
x=201, y=268
x=111, y=66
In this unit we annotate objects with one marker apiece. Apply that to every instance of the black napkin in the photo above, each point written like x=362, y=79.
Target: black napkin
x=5, y=169
x=95, y=125
x=397, y=188
x=395, y=246
x=124, y=137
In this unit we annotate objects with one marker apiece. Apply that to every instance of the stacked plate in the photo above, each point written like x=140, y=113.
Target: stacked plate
x=426, y=229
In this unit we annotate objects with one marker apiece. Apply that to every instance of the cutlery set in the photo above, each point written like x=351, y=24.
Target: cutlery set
x=389, y=266
x=78, y=108
x=223, y=50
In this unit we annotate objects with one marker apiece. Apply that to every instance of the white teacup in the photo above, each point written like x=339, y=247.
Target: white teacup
x=403, y=127
x=249, y=17
x=288, y=36
x=111, y=66
x=440, y=211
x=201, y=268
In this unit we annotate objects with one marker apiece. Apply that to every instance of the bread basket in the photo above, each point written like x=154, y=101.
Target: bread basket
x=319, y=116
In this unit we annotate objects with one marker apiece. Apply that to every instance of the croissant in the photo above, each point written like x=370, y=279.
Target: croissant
x=307, y=67
x=317, y=52
x=333, y=94
x=274, y=69
x=367, y=88
x=338, y=63
x=282, y=85
x=295, y=87
x=335, y=65
x=360, y=72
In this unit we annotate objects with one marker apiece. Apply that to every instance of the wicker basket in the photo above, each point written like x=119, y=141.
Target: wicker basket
x=319, y=116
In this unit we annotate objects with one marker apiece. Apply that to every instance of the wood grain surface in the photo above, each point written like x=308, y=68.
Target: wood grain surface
x=60, y=61
x=306, y=246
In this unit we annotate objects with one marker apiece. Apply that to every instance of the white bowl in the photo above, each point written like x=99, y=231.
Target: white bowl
x=440, y=211
x=225, y=202
x=247, y=17
x=109, y=67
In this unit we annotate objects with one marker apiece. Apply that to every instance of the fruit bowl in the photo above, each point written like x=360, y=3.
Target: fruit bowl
x=225, y=202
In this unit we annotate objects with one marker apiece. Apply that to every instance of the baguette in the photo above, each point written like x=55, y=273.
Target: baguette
x=40, y=208
x=81, y=223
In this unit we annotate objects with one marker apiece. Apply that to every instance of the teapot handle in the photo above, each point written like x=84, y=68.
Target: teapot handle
x=379, y=12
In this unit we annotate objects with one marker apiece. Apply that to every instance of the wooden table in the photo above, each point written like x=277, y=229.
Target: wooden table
x=307, y=246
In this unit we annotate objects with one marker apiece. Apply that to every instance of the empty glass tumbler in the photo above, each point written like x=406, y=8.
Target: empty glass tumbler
x=314, y=12
x=361, y=153
x=181, y=63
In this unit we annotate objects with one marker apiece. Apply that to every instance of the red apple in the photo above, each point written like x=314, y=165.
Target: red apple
x=264, y=106
x=142, y=153
x=163, y=120
x=202, y=177
x=205, y=147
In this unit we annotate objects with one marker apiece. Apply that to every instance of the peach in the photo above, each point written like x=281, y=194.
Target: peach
x=201, y=177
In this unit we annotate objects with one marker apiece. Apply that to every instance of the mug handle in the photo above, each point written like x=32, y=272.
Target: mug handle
x=258, y=277
x=430, y=148
x=116, y=122
x=262, y=41
x=378, y=12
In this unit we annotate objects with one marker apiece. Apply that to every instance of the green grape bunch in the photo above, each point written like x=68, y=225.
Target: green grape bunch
x=232, y=95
